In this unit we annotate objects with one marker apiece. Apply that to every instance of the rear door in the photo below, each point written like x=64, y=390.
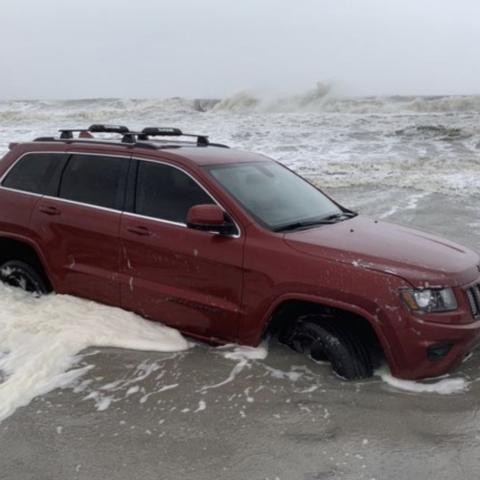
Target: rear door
x=188, y=279
x=79, y=226
x=30, y=177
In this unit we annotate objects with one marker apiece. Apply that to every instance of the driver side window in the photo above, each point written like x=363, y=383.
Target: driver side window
x=166, y=193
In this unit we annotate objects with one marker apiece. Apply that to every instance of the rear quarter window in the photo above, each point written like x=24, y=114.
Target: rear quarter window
x=36, y=173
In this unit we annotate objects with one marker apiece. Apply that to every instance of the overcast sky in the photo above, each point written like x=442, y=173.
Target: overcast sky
x=213, y=48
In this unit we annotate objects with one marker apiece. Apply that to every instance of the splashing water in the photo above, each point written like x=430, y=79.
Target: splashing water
x=40, y=338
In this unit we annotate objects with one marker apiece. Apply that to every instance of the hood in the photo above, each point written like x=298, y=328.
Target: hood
x=417, y=257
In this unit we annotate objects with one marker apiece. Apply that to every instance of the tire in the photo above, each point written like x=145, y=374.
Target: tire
x=22, y=275
x=325, y=339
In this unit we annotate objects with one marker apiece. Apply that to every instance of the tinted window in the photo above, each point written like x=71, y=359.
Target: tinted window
x=96, y=180
x=36, y=173
x=167, y=193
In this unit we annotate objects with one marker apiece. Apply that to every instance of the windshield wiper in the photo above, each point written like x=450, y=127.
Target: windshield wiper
x=334, y=218
x=298, y=225
x=337, y=217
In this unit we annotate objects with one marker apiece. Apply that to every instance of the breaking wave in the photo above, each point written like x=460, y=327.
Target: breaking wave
x=320, y=99
x=426, y=143
x=439, y=132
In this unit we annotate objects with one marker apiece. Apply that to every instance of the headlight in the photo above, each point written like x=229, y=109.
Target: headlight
x=430, y=299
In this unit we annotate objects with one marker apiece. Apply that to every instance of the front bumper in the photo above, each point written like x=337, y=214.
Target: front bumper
x=424, y=349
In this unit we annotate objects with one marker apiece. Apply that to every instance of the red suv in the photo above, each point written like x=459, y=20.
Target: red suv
x=229, y=246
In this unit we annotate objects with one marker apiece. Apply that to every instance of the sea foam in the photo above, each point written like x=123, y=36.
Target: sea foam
x=40, y=338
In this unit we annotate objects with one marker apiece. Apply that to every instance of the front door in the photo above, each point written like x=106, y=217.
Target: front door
x=185, y=278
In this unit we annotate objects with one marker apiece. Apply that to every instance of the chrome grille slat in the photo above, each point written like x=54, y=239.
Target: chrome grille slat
x=476, y=293
x=473, y=295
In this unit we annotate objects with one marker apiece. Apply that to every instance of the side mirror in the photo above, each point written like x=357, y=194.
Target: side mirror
x=209, y=218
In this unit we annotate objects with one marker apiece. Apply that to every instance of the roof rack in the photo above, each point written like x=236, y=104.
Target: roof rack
x=129, y=137
x=67, y=133
x=146, y=133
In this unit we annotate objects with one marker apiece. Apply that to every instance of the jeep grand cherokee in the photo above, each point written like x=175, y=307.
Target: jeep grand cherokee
x=227, y=246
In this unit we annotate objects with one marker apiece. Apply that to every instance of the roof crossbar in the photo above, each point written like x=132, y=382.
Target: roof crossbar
x=146, y=133
x=67, y=133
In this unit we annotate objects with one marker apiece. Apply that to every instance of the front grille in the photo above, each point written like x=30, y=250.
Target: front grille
x=473, y=295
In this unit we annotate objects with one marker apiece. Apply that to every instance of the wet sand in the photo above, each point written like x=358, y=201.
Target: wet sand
x=160, y=416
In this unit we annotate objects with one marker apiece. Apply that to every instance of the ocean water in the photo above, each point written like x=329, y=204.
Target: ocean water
x=430, y=144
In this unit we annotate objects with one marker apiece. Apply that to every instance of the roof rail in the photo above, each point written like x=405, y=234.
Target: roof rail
x=95, y=141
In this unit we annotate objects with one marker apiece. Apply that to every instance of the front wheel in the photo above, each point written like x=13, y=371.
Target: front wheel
x=22, y=275
x=330, y=340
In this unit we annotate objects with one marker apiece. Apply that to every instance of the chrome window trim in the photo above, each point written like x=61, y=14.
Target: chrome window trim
x=81, y=204
x=160, y=220
x=124, y=212
x=23, y=192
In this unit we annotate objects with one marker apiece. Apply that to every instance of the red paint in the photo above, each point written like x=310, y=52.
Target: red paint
x=225, y=288
x=186, y=278
x=205, y=215
x=81, y=248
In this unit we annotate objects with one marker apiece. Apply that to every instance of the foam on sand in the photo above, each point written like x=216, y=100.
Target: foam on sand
x=243, y=355
x=443, y=386
x=40, y=338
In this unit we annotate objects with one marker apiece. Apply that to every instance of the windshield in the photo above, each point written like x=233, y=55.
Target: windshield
x=273, y=195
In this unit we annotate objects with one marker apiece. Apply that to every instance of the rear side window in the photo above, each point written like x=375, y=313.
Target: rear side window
x=167, y=193
x=36, y=173
x=95, y=180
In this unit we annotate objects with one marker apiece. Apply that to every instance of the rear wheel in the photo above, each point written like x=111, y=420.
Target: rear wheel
x=17, y=273
x=327, y=339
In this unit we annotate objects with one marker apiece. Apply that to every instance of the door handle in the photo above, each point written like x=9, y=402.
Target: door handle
x=49, y=210
x=139, y=230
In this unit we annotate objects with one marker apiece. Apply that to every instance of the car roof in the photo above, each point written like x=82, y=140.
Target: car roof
x=201, y=156
x=215, y=155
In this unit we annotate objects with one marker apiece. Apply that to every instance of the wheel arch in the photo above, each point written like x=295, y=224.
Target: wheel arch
x=288, y=308
x=27, y=250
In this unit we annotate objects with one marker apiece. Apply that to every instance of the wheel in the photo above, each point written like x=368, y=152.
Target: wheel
x=327, y=339
x=20, y=274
